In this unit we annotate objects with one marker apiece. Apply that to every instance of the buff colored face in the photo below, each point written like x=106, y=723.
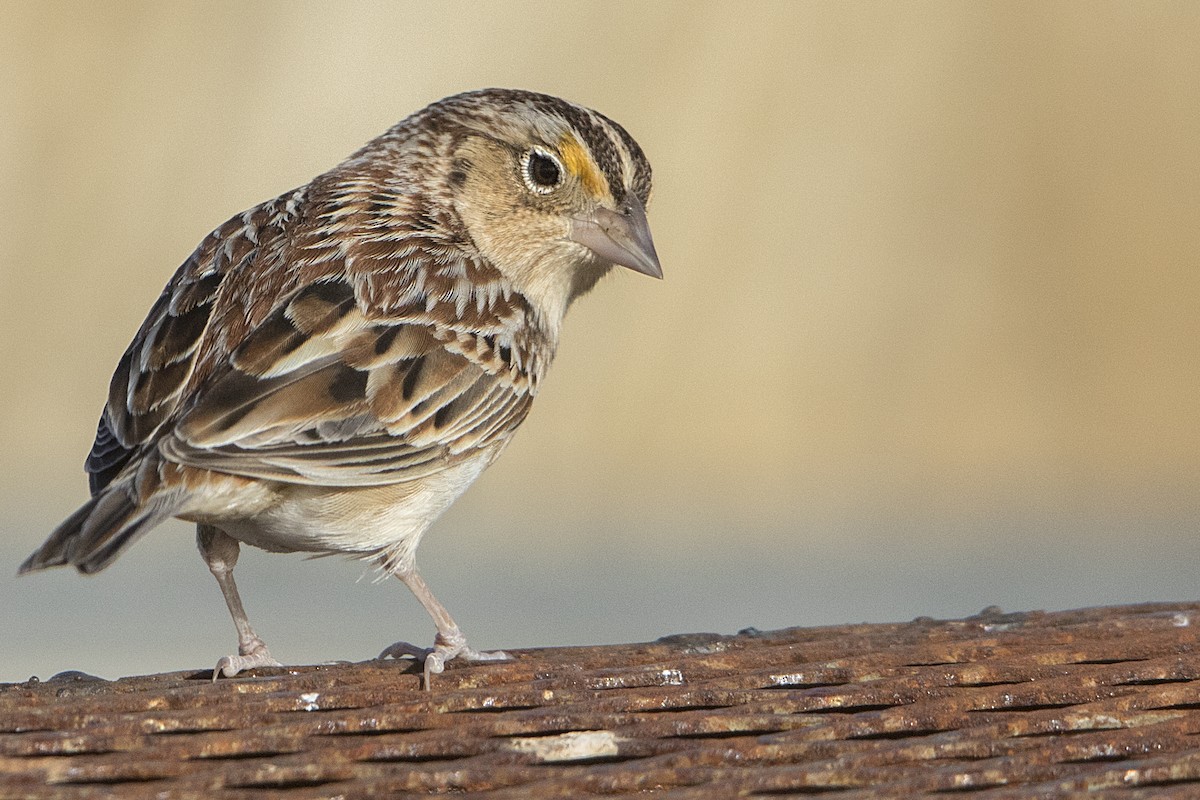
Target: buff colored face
x=545, y=211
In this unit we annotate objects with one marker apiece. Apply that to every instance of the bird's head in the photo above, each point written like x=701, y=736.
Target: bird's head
x=552, y=194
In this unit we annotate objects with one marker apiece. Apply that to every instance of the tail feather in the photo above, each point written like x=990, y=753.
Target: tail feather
x=93, y=537
x=53, y=552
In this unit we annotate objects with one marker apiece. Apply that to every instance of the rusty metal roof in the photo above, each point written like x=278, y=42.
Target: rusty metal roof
x=993, y=706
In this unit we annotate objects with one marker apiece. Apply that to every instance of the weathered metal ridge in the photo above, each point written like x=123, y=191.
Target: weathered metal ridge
x=1103, y=701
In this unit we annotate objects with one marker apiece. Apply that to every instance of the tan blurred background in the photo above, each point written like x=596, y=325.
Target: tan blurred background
x=927, y=340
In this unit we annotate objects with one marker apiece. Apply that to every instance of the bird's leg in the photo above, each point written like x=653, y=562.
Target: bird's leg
x=220, y=552
x=449, y=642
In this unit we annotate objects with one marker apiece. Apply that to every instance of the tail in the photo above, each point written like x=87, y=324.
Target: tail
x=93, y=537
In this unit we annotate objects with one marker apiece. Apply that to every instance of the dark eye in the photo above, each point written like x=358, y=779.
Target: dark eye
x=541, y=171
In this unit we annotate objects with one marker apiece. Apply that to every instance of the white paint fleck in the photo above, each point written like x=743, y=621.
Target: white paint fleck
x=572, y=746
x=791, y=679
x=308, y=701
x=671, y=677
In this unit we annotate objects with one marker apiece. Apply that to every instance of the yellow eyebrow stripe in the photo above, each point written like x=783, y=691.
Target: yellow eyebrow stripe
x=576, y=159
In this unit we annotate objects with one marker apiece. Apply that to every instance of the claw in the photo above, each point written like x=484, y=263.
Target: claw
x=404, y=649
x=258, y=656
x=445, y=648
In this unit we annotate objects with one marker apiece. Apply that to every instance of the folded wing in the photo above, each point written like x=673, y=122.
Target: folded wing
x=319, y=393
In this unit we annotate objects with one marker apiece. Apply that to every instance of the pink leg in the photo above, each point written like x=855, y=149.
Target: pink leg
x=449, y=642
x=220, y=552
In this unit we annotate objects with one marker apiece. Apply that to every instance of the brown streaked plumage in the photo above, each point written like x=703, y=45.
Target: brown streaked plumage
x=329, y=370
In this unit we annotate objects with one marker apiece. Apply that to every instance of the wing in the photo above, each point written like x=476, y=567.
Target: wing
x=341, y=335
x=150, y=379
x=323, y=392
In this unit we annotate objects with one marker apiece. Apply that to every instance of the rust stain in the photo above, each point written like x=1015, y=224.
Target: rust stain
x=1104, y=701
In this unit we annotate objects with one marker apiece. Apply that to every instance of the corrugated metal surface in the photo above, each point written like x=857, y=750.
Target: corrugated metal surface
x=995, y=706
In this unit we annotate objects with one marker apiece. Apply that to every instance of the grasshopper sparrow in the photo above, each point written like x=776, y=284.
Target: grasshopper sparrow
x=329, y=370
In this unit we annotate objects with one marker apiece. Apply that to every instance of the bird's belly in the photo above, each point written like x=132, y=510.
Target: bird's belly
x=353, y=520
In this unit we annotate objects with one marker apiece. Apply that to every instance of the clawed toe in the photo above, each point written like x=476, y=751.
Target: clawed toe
x=229, y=666
x=404, y=650
x=445, y=648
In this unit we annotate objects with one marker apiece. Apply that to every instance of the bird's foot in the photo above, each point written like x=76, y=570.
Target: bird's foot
x=445, y=648
x=253, y=655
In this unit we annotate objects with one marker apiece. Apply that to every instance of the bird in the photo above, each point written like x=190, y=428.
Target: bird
x=329, y=370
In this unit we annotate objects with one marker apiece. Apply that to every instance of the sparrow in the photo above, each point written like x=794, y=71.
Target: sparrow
x=331, y=369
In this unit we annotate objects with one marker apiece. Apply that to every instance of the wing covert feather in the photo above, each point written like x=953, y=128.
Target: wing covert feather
x=320, y=393
x=338, y=425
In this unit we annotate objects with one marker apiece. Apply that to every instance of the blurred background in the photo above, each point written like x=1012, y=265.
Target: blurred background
x=927, y=339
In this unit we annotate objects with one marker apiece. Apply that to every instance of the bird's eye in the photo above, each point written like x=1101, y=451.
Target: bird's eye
x=541, y=170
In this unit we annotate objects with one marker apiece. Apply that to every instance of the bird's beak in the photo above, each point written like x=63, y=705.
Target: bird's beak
x=622, y=237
